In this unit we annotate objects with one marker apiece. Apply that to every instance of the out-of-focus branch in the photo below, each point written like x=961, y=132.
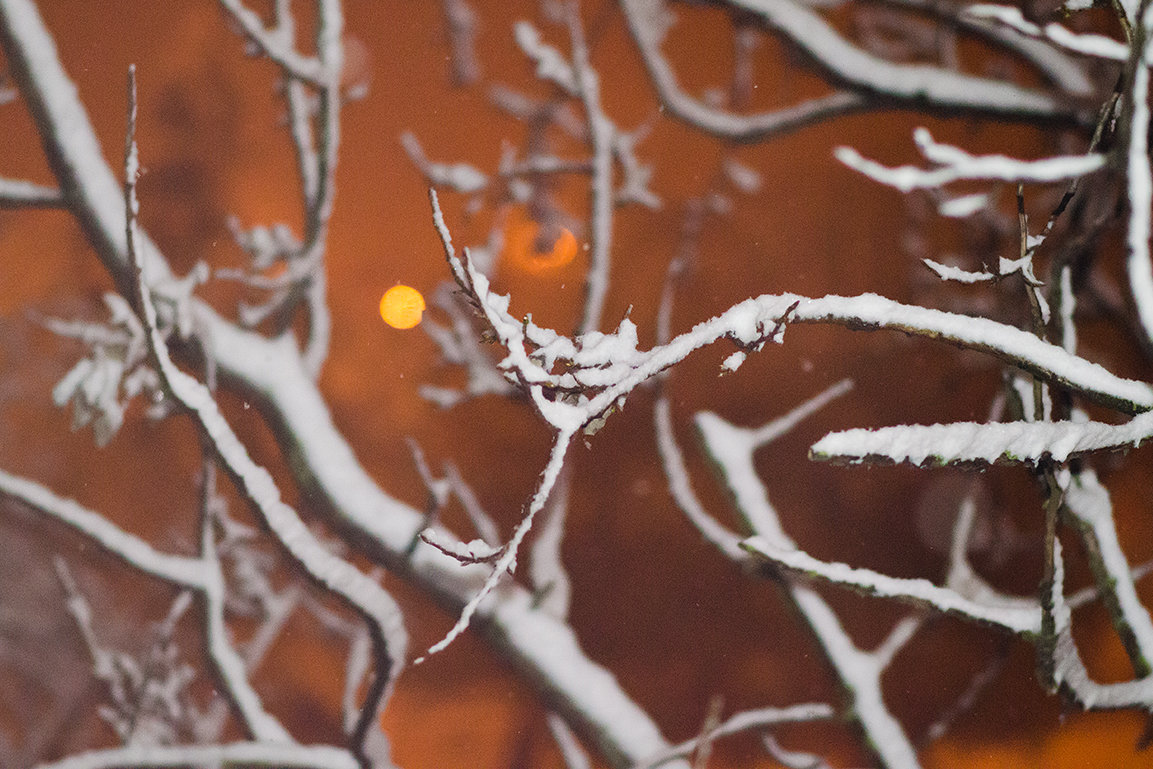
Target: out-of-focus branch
x=1055, y=66
x=586, y=83
x=314, y=123
x=1086, y=44
x=461, y=23
x=550, y=580
x=929, y=87
x=236, y=754
x=276, y=45
x=648, y=22
x=758, y=719
x=91, y=192
x=178, y=570
x=956, y=165
x=21, y=194
x=869, y=81
x=1139, y=176
x=201, y=575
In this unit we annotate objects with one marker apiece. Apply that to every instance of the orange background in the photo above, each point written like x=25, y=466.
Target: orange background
x=668, y=615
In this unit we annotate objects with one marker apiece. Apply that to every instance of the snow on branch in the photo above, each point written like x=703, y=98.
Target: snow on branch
x=922, y=592
x=147, y=695
x=1012, y=345
x=272, y=373
x=201, y=575
x=21, y=194
x=601, y=134
x=597, y=371
x=1139, y=178
x=859, y=673
x=757, y=719
x=648, y=22
x=957, y=165
x=930, y=86
x=858, y=73
x=981, y=443
x=129, y=548
x=462, y=25
x=462, y=177
x=236, y=754
x=1084, y=44
x=1053, y=64
x=551, y=65
x=506, y=561
x=277, y=45
x=1090, y=506
x=951, y=272
x=476, y=551
x=314, y=125
x=1067, y=669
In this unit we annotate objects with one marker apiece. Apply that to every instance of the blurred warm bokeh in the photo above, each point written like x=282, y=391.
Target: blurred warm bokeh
x=675, y=621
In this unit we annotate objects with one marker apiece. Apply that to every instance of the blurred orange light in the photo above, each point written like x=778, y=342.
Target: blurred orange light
x=530, y=247
x=401, y=307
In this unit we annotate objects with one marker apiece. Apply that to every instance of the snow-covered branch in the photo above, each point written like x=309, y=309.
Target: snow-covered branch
x=954, y=164
x=599, y=370
x=202, y=575
x=271, y=372
x=21, y=194
x=649, y=21
x=276, y=44
x=861, y=74
x=858, y=672
x=236, y=754
x=982, y=443
x=759, y=719
x=1014, y=618
x=931, y=86
x=337, y=575
x=1140, y=184
x=1083, y=44
x=1068, y=670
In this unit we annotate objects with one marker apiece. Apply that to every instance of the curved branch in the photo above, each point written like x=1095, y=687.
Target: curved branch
x=918, y=85
x=1054, y=65
x=646, y=24
x=181, y=570
x=845, y=65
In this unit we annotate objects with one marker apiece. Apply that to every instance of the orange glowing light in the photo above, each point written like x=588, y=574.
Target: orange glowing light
x=401, y=307
x=535, y=249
